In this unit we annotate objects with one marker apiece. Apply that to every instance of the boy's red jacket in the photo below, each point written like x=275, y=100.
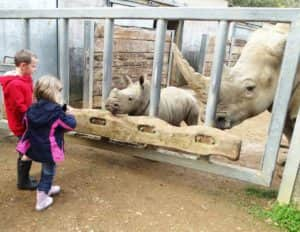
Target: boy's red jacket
x=17, y=91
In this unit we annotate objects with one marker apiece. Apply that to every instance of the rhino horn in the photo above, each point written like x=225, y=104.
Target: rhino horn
x=196, y=81
x=128, y=80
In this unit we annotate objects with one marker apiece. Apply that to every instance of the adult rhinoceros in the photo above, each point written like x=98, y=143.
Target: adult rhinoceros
x=248, y=88
x=176, y=105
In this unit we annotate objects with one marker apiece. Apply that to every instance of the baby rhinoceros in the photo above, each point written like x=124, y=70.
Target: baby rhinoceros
x=176, y=105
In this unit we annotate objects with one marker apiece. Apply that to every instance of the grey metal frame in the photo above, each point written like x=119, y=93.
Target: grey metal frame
x=107, y=59
x=216, y=73
x=292, y=167
x=63, y=57
x=157, y=66
x=202, y=51
x=224, y=16
x=89, y=33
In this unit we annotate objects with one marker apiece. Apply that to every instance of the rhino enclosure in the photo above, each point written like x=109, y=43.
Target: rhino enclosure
x=290, y=182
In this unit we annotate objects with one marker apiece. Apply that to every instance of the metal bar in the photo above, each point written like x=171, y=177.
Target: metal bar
x=168, y=13
x=107, y=59
x=4, y=124
x=180, y=159
x=170, y=59
x=216, y=74
x=291, y=167
x=232, y=171
x=145, y=3
x=178, y=41
x=63, y=51
x=89, y=64
x=202, y=52
x=282, y=97
x=157, y=66
x=27, y=34
x=128, y=3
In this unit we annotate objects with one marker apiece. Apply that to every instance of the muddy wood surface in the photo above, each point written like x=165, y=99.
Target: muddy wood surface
x=112, y=191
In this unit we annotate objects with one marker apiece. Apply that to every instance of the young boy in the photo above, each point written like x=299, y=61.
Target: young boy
x=18, y=91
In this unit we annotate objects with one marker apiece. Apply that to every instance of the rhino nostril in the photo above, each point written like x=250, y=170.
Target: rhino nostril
x=221, y=119
x=116, y=105
x=221, y=122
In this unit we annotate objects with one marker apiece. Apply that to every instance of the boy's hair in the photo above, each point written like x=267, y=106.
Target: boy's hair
x=48, y=88
x=24, y=56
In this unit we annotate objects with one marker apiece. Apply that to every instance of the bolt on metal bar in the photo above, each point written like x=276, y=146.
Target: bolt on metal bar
x=216, y=74
x=63, y=58
x=282, y=97
x=157, y=66
x=107, y=59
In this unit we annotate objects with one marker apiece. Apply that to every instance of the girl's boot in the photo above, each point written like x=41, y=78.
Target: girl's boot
x=43, y=201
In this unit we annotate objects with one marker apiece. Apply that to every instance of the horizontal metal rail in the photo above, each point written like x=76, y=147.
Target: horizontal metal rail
x=168, y=13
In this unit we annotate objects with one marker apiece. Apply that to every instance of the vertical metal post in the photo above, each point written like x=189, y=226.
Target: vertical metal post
x=291, y=167
x=170, y=59
x=284, y=89
x=107, y=59
x=216, y=74
x=63, y=51
x=88, y=77
x=157, y=66
x=178, y=41
x=202, y=52
x=27, y=34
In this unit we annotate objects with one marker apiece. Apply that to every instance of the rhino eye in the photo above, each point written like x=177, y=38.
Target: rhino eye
x=250, y=88
x=130, y=99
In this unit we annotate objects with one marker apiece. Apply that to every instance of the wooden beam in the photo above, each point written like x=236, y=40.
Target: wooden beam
x=197, y=140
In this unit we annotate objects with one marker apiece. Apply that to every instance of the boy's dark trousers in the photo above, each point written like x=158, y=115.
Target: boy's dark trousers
x=24, y=181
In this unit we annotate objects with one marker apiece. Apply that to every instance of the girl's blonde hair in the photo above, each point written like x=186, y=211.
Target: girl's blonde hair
x=48, y=88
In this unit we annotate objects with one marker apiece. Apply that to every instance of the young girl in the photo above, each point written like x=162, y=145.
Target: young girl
x=46, y=122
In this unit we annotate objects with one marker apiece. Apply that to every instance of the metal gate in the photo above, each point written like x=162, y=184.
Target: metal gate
x=163, y=15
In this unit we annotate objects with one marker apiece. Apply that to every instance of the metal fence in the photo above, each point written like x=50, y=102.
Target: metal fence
x=163, y=15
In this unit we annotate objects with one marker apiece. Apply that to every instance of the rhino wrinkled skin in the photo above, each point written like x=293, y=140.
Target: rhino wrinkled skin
x=176, y=105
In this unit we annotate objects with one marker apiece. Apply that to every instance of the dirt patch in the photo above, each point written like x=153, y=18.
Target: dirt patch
x=113, y=191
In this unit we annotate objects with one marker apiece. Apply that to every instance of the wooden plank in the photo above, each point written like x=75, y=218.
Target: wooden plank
x=197, y=140
x=128, y=45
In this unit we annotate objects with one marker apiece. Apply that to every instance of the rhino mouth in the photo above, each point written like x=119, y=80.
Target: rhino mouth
x=223, y=121
x=114, y=109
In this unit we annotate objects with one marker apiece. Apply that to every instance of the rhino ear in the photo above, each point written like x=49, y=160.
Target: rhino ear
x=141, y=80
x=276, y=44
x=128, y=80
x=114, y=91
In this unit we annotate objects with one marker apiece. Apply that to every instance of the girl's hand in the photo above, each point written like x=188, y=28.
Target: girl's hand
x=69, y=109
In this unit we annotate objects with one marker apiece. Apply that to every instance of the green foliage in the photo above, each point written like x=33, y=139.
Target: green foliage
x=285, y=216
x=265, y=3
x=262, y=193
